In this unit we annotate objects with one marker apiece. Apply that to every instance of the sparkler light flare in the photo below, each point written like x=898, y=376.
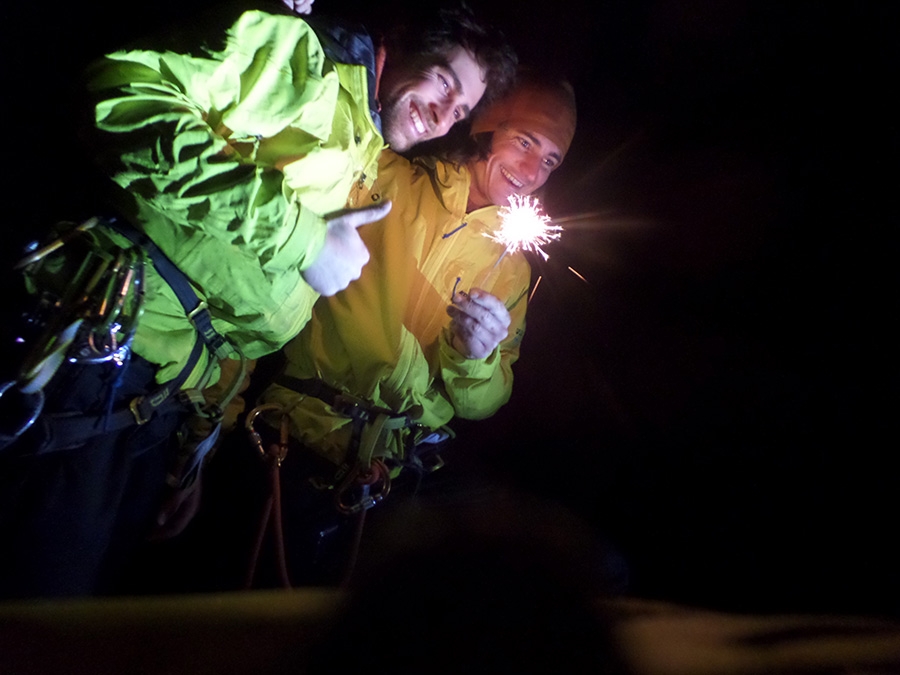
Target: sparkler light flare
x=524, y=226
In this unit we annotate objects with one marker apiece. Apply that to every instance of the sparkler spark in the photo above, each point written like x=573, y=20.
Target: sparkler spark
x=577, y=273
x=524, y=226
x=534, y=290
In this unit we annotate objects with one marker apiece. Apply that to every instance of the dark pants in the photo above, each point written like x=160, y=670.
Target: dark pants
x=70, y=518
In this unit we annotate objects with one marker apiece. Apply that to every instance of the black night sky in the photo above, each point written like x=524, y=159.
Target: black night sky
x=717, y=396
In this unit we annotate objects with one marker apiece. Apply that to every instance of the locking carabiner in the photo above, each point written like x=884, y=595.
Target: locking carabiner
x=276, y=451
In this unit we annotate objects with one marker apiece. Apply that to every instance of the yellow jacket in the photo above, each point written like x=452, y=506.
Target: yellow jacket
x=385, y=338
x=229, y=161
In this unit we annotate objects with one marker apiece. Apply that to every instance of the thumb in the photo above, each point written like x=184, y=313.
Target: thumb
x=370, y=214
x=361, y=216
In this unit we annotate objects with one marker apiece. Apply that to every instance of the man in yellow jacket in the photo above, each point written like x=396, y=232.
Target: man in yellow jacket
x=433, y=326
x=232, y=161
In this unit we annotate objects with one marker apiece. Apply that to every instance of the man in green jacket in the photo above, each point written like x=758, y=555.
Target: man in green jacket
x=234, y=162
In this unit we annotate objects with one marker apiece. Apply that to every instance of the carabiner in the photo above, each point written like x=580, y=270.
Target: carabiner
x=28, y=407
x=363, y=488
x=277, y=451
x=113, y=323
x=59, y=242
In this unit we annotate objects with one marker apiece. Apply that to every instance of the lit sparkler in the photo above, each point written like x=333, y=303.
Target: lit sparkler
x=524, y=227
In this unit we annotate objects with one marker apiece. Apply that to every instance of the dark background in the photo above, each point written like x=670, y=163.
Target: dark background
x=717, y=397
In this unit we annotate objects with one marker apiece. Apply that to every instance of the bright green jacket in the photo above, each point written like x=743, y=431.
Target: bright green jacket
x=385, y=338
x=230, y=161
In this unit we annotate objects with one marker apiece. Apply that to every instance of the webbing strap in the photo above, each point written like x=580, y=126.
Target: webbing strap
x=368, y=440
x=195, y=308
x=144, y=407
x=312, y=387
x=344, y=402
x=64, y=431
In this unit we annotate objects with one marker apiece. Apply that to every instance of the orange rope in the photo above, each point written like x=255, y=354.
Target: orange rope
x=271, y=517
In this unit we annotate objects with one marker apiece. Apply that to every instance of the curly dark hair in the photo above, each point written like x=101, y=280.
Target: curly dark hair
x=429, y=35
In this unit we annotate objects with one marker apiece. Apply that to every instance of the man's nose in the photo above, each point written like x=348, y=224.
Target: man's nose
x=530, y=167
x=442, y=112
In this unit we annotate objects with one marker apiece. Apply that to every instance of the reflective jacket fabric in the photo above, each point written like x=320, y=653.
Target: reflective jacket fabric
x=229, y=162
x=385, y=338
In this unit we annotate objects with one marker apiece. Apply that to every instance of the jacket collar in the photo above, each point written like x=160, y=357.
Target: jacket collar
x=350, y=44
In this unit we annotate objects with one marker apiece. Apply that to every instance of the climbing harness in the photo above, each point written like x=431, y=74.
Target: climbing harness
x=92, y=321
x=361, y=489
x=359, y=483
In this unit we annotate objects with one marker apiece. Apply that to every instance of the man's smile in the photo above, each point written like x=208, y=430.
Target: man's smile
x=416, y=119
x=511, y=179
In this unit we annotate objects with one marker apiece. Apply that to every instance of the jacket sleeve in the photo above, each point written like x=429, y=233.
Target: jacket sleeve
x=478, y=388
x=181, y=134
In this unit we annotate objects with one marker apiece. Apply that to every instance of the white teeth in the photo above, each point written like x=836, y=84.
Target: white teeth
x=508, y=176
x=417, y=121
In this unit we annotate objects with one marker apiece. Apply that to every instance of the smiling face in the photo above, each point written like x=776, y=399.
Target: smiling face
x=520, y=162
x=422, y=104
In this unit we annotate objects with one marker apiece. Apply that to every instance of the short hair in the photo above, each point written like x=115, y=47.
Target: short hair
x=421, y=37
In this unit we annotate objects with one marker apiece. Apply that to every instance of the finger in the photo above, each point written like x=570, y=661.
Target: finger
x=466, y=320
x=469, y=343
x=493, y=319
x=477, y=302
x=477, y=340
x=359, y=216
x=492, y=303
x=459, y=298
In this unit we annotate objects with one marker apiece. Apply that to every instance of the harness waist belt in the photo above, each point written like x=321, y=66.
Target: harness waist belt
x=344, y=403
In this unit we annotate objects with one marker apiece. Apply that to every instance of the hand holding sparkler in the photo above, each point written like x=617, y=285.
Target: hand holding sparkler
x=480, y=319
x=480, y=322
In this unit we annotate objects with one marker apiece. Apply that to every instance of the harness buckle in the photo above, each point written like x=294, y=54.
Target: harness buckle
x=135, y=407
x=352, y=407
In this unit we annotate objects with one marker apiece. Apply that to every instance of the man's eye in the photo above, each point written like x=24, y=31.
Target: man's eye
x=550, y=163
x=457, y=114
x=444, y=84
x=524, y=142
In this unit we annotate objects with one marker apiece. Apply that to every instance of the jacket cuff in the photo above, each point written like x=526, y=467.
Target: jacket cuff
x=459, y=365
x=307, y=237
